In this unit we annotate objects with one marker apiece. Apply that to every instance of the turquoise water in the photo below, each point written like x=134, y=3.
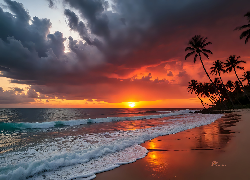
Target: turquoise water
x=71, y=143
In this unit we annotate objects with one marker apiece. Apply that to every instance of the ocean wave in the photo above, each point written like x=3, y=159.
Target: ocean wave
x=73, y=157
x=10, y=126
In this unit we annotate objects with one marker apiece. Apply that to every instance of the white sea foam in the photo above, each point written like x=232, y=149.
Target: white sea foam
x=84, y=156
x=52, y=124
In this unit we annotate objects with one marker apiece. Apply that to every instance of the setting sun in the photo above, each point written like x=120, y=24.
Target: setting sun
x=131, y=104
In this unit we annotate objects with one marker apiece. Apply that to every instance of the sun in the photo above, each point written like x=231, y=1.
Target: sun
x=131, y=104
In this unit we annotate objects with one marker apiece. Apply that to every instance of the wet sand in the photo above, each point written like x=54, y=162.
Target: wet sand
x=216, y=151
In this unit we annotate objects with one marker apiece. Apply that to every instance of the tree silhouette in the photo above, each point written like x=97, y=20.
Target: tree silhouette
x=230, y=85
x=193, y=87
x=217, y=68
x=197, y=47
x=247, y=26
x=246, y=77
x=233, y=63
x=237, y=87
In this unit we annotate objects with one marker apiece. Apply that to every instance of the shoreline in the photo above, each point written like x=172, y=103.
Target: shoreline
x=190, y=154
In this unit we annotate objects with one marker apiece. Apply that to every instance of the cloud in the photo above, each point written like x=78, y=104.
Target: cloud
x=116, y=40
x=182, y=73
x=170, y=73
x=9, y=97
x=51, y=3
x=16, y=89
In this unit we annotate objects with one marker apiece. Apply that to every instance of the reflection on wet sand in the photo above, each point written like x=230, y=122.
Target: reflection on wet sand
x=169, y=152
x=156, y=163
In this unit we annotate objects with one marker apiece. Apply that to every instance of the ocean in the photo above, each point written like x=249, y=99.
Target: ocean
x=78, y=143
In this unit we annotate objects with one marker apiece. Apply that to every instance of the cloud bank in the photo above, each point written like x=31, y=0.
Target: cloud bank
x=117, y=40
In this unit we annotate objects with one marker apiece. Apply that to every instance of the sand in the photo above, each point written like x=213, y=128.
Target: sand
x=216, y=151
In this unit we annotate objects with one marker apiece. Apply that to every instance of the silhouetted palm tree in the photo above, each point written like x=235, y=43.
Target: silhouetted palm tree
x=217, y=68
x=246, y=77
x=193, y=87
x=233, y=88
x=197, y=47
x=247, y=26
x=207, y=91
x=230, y=85
x=237, y=87
x=233, y=63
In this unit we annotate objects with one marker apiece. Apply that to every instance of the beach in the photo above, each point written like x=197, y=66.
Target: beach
x=219, y=150
x=157, y=144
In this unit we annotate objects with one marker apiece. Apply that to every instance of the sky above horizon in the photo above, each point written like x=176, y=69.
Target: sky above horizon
x=115, y=53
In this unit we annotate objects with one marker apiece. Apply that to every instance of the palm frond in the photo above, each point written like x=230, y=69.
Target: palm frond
x=205, y=55
x=207, y=44
x=229, y=69
x=214, y=71
x=189, y=54
x=191, y=42
x=208, y=51
x=242, y=27
x=247, y=14
x=246, y=40
x=238, y=67
x=245, y=33
x=241, y=61
x=204, y=40
x=189, y=48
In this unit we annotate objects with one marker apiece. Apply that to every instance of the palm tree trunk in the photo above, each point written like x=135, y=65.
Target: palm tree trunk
x=207, y=73
x=241, y=85
x=201, y=101
x=211, y=79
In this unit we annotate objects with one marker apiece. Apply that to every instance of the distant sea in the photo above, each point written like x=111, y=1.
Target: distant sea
x=78, y=143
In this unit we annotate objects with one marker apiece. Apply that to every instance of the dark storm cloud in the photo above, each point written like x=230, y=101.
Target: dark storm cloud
x=152, y=23
x=92, y=10
x=76, y=25
x=30, y=55
x=134, y=34
x=34, y=36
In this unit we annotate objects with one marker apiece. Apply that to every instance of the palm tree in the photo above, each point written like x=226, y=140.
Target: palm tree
x=233, y=63
x=232, y=88
x=206, y=91
x=230, y=85
x=237, y=87
x=197, y=47
x=247, y=32
x=193, y=87
x=246, y=77
x=217, y=68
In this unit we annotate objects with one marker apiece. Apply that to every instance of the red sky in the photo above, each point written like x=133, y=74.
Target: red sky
x=110, y=53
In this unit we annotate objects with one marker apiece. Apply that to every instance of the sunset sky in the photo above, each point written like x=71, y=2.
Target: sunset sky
x=114, y=53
